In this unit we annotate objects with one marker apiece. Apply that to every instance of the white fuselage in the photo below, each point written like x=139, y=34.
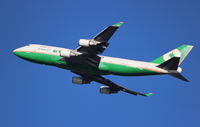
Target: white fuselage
x=51, y=50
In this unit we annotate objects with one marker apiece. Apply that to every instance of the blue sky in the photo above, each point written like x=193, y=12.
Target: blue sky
x=34, y=95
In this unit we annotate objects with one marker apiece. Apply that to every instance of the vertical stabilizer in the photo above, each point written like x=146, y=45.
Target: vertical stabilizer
x=181, y=52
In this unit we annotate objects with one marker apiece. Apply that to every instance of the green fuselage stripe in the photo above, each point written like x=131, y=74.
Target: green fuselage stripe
x=103, y=69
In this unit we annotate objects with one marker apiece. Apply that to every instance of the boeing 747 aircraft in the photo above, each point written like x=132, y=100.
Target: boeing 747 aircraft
x=86, y=62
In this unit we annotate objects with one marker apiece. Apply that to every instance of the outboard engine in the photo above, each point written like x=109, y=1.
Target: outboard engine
x=107, y=90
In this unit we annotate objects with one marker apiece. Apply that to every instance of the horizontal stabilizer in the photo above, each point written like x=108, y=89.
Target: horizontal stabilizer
x=171, y=64
x=176, y=74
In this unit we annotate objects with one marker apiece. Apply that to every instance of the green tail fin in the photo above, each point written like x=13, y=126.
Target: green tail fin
x=181, y=52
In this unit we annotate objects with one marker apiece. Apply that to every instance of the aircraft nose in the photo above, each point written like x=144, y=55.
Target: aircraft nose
x=19, y=52
x=16, y=51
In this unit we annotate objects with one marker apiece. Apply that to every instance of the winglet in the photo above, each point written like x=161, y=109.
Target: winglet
x=118, y=24
x=149, y=94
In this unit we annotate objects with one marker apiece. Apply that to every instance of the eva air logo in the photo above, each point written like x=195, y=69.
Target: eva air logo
x=171, y=54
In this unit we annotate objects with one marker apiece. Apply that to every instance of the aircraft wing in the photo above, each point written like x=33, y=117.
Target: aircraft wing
x=102, y=39
x=91, y=48
x=113, y=86
x=107, y=33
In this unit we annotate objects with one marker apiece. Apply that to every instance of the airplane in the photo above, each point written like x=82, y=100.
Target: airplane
x=86, y=62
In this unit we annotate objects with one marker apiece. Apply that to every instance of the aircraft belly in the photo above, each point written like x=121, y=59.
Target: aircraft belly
x=117, y=69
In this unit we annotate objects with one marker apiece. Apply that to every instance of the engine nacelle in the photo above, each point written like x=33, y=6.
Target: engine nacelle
x=107, y=90
x=80, y=80
x=68, y=53
x=87, y=43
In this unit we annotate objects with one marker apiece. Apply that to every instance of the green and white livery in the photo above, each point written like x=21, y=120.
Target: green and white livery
x=90, y=66
x=181, y=52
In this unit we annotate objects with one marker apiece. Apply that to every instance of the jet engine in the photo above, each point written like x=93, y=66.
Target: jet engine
x=68, y=53
x=80, y=80
x=107, y=90
x=88, y=43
